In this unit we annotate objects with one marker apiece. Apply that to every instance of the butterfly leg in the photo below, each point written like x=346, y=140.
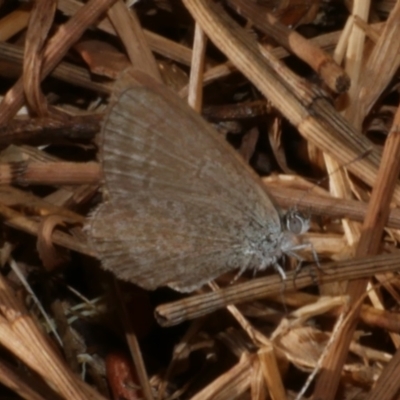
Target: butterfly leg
x=282, y=291
x=301, y=260
x=280, y=271
x=240, y=273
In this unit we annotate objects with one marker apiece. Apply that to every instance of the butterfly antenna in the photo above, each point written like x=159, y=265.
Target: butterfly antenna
x=325, y=178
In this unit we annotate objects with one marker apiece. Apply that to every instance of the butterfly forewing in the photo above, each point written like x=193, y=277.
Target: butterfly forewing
x=182, y=206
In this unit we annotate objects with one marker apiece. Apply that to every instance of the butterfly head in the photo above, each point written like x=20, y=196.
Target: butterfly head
x=296, y=222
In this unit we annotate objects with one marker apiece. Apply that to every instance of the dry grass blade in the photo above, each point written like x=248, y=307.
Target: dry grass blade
x=13, y=197
x=49, y=173
x=157, y=43
x=381, y=66
x=369, y=243
x=24, y=385
x=195, y=95
x=64, y=71
x=128, y=27
x=271, y=373
x=42, y=130
x=231, y=384
x=199, y=305
x=328, y=206
x=369, y=315
x=17, y=329
x=387, y=386
x=332, y=74
x=134, y=346
x=378, y=212
x=19, y=221
x=55, y=50
x=44, y=12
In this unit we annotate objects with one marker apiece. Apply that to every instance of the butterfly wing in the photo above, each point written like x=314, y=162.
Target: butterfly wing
x=183, y=207
x=154, y=244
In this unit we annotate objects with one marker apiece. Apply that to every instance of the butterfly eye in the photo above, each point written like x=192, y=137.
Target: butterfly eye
x=297, y=223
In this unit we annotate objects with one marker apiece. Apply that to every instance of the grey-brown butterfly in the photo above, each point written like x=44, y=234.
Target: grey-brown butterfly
x=181, y=206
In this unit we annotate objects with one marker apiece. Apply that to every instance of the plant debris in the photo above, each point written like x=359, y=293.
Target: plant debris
x=307, y=92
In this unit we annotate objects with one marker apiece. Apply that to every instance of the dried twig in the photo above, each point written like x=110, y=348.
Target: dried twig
x=196, y=306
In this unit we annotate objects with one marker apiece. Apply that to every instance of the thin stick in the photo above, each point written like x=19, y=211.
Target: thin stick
x=19, y=221
x=130, y=32
x=49, y=173
x=133, y=344
x=28, y=288
x=196, y=306
x=195, y=96
x=270, y=369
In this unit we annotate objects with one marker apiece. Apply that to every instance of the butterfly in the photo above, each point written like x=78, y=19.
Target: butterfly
x=181, y=206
